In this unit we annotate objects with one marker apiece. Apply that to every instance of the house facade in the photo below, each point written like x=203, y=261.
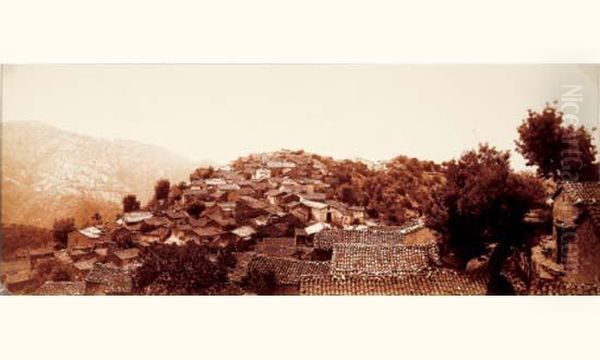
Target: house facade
x=576, y=230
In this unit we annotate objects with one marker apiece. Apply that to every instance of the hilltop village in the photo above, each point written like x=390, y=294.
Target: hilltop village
x=271, y=217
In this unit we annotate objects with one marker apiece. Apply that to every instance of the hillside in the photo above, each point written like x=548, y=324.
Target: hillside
x=49, y=173
x=392, y=192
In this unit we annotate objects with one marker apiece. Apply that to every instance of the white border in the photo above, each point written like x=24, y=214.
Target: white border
x=310, y=31
x=314, y=31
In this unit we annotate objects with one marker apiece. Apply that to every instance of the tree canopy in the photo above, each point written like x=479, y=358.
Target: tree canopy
x=130, y=203
x=162, y=189
x=187, y=269
x=483, y=202
x=61, y=230
x=561, y=152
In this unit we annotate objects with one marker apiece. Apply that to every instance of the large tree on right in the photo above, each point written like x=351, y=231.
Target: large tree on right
x=561, y=152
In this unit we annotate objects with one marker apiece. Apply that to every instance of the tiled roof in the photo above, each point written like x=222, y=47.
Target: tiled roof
x=385, y=236
x=221, y=220
x=63, y=257
x=136, y=216
x=41, y=252
x=175, y=215
x=254, y=203
x=274, y=192
x=127, y=254
x=117, y=281
x=280, y=164
x=359, y=259
x=215, y=181
x=18, y=277
x=158, y=221
x=436, y=282
x=422, y=235
x=289, y=271
x=14, y=266
x=316, y=228
x=586, y=194
x=547, y=287
x=207, y=231
x=61, y=288
x=338, y=205
x=229, y=187
x=244, y=231
x=315, y=196
x=193, y=192
x=313, y=204
x=92, y=232
x=85, y=265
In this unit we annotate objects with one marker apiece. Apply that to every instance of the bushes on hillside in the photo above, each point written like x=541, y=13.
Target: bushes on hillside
x=186, y=270
x=130, y=203
x=261, y=283
x=15, y=237
x=61, y=230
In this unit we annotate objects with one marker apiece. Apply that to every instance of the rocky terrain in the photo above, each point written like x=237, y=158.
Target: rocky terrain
x=46, y=170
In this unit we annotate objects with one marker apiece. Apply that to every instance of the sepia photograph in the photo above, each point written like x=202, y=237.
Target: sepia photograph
x=325, y=179
x=300, y=179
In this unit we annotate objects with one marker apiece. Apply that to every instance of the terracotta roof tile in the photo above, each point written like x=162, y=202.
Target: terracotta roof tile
x=359, y=259
x=61, y=288
x=288, y=271
x=116, y=280
x=436, y=282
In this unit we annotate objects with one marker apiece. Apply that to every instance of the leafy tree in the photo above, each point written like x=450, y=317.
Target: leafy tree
x=392, y=194
x=123, y=238
x=15, y=237
x=175, y=193
x=560, y=152
x=483, y=202
x=174, y=269
x=261, y=283
x=202, y=173
x=225, y=259
x=195, y=209
x=130, y=203
x=97, y=218
x=61, y=230
x=161, y=189
x=347, y=194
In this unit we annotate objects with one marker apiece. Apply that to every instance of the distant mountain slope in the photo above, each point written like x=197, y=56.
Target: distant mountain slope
x=49, y=173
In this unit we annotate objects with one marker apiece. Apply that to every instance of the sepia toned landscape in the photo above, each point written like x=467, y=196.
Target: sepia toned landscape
x=300, y=180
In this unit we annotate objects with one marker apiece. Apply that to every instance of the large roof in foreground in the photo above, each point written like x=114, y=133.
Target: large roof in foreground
x=435, y=282
x=359, y=259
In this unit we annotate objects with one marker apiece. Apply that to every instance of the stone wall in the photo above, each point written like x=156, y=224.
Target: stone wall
x=583, y=256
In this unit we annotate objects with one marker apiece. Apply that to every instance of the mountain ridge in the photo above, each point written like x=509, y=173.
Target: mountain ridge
x=46, y=169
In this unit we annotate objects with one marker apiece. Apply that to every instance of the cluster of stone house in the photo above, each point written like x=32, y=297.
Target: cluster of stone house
x=576, y=231
x=568, y=261
x=278, y=220
x=367, y=261
x=239, y=208
x=17, y=275
x=282, y=163
x=90, y=251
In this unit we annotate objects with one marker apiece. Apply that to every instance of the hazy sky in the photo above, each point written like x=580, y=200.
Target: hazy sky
x=221, y=112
